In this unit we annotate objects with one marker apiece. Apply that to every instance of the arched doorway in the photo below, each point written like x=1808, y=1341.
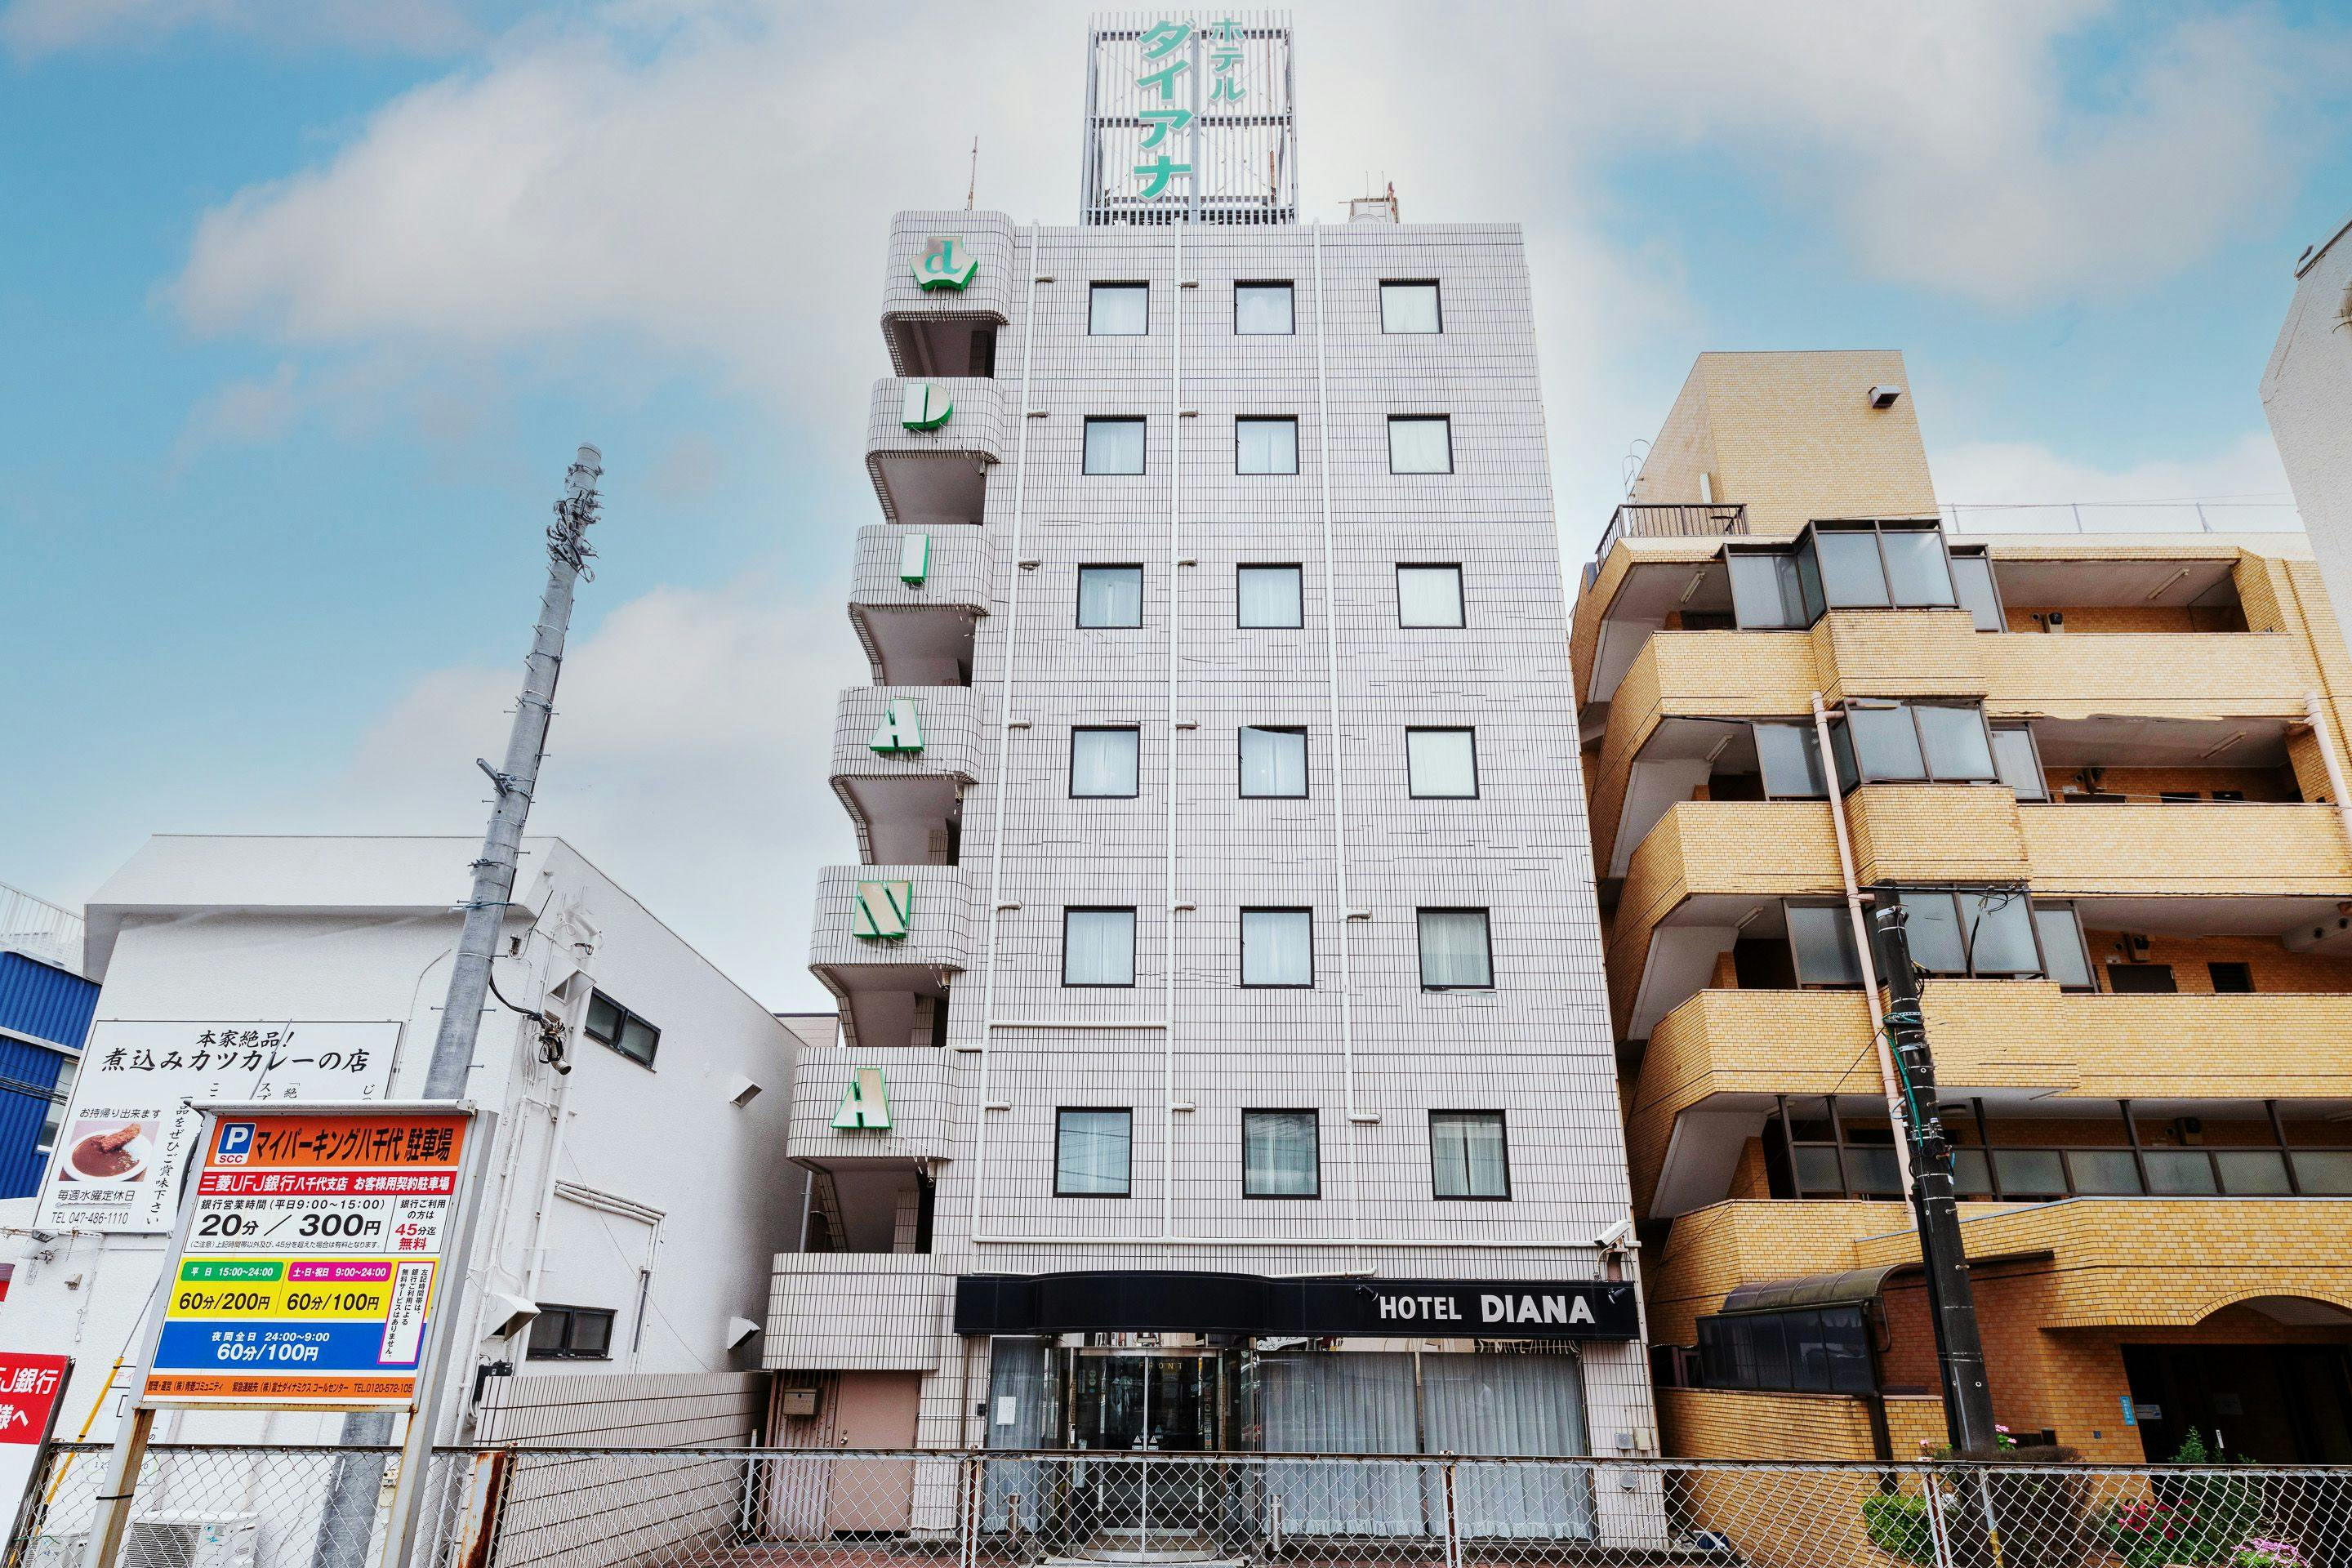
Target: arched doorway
x=2267, y=1378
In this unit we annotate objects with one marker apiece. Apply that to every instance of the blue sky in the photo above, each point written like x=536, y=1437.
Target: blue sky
x=304, y=306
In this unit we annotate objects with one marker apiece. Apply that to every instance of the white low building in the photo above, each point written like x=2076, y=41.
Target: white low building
x=636, y=1194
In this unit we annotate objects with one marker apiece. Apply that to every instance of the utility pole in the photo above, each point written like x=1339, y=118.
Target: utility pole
x=1951, y=1302
x=348, y=1518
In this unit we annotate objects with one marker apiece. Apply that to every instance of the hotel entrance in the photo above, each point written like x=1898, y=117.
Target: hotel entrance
x=1150, y=1400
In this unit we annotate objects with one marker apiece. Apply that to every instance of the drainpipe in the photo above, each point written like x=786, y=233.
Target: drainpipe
x=1862, y=940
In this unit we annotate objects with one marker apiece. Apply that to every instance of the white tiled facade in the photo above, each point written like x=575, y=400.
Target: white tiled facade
x=1187, y=1048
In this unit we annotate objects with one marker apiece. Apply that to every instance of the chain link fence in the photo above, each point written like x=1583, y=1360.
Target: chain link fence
x=751, y=1507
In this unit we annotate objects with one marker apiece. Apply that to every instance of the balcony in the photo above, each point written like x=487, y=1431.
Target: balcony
x=1716, y=1064
x=916, y=596
x=2239, y=849
x=901, y=759
x=899, y=1314
x=888, y=941
x=930, y=461
x=1700, y=522
x=934, y=326
x=915, y=1088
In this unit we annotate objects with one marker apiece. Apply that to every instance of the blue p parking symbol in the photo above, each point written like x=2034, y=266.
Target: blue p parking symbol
x=235, y=1144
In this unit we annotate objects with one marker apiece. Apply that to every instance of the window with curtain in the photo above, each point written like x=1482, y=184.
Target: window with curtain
x=1352, y=1402
x=1277, y=947
x=1110, y=595
x=1441, y=764
x=1266, y=445
x=1410, y=308
x=1429, y=595
x=1273, y=762
x=1530, y=1406
x=1263, y=309
x=1421, y=443
x=1099, y=947
x=1118, y=309
x=1280, y=1158
x=1454, y=952
x=1469, y=1154
x=1091, y=1152
x=1268, y=597
x=1114, y=446
x=1104, y=762
x=1020, y=1385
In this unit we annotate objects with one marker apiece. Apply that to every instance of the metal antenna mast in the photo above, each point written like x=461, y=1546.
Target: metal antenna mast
x=349, y=1514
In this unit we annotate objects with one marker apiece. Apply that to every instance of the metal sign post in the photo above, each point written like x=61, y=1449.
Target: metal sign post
x=318, y=1262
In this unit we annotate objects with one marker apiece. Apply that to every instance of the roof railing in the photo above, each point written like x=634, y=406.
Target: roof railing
x=46, y=932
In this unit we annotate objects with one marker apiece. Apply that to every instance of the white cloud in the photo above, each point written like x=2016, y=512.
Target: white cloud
x=688, y=758
x=242, y=413
x=35, y=27
x=1996, y=473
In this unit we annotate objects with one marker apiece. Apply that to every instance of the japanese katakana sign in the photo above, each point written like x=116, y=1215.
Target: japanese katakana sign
x=128, y=1128
x=310, y=1264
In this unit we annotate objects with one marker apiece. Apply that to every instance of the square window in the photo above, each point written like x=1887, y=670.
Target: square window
x=1114, y=446
x=1266, y=445
x=1092, y=1154
x=1821, y=941
x=1955, y=743
x=1269, y=597
x=1274, y=763
x=1280, y=1157
x=1110, y=595
x=1421, y=443
x=571, y=1334
x=1469, y=1154
x=1277, y=947
x=2019, y=765
x=1441, y=764
x=610, y=1024
x=1099, y=947
x=1410, y=308
x=1429, y=595
x=1455, y=954
x=1789, y=756
x=1119, y=310
x=1263, y=309
x=1103, y=762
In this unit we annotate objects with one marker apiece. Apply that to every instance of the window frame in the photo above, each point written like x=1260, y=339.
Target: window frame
x=1241, y=947
x=1289, y=285
x=571, y=1317
x=1095, y=286
x=1846, y=755
x=2041, y=775
x=1810, y=738
x=1420, y=951
x=620, y=1030
x=1476, y=784
x=1886, y=893
x=1298, y=578
x=1804, y=553
x=1315, y=1120
x=1502, y=1122
x=1078, y=599
x=1086, y=445
x=1288, y=473
x=1305, y=763
x=1443, y=419
x=1992, y=581
x=1842, y=924
x=2090, y=986
x=1133, y=936
x=1127, y=1190
x=1076, y=730
x=1461, y=597
x=1436, y=295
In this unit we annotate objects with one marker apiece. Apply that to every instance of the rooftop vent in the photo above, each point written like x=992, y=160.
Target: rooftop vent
x=1885, y=396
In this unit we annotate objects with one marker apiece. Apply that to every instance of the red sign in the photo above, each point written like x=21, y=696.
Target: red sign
x=29, y=1387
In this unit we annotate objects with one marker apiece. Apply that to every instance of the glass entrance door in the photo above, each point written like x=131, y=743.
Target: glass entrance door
x=1151, y=1402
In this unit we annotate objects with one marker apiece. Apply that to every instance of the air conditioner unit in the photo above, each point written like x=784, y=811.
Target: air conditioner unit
x=182, y=1539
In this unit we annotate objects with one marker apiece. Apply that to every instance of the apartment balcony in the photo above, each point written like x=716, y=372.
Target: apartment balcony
x=914, y=1105
x=1707, y=870
x=1696, y=522
x=916, y=596
x=887, y=941
x=856, y=1311
x=902, y=757
x=944, y=306
x=930, y=456
x=1717, y=1065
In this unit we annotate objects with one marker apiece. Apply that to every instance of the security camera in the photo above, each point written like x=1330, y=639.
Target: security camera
x=1616, y=1236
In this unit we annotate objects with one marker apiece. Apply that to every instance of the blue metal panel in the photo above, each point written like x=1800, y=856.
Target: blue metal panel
x=26, y=1073
x=45, y=1002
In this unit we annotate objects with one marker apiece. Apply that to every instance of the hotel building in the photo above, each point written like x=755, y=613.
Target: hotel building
x=2096, y=753
x=1225, y=1059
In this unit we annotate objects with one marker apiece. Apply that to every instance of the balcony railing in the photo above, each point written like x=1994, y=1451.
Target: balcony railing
x=2124, y=517
x=39, y=930
x=2039, y=1173
x=1706, y=522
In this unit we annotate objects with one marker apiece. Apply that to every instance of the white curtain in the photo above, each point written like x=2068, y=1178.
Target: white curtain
x=1525, y=1406
x=1333, y=1402
x=1266, y=445
x=1454, y=948
x=1468, y=1155
x=1269, y=597
x=1102, y=761
x=1442, y=763
x=1018, y=1387
x=1277, y=947
x=1099, y=947
x=1274, y=763
x=1091, y=1152
x=1279, y=1154
x=1429, y=595
x=1420, y=446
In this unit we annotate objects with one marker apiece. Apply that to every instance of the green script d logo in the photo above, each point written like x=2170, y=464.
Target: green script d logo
x=945, y=264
